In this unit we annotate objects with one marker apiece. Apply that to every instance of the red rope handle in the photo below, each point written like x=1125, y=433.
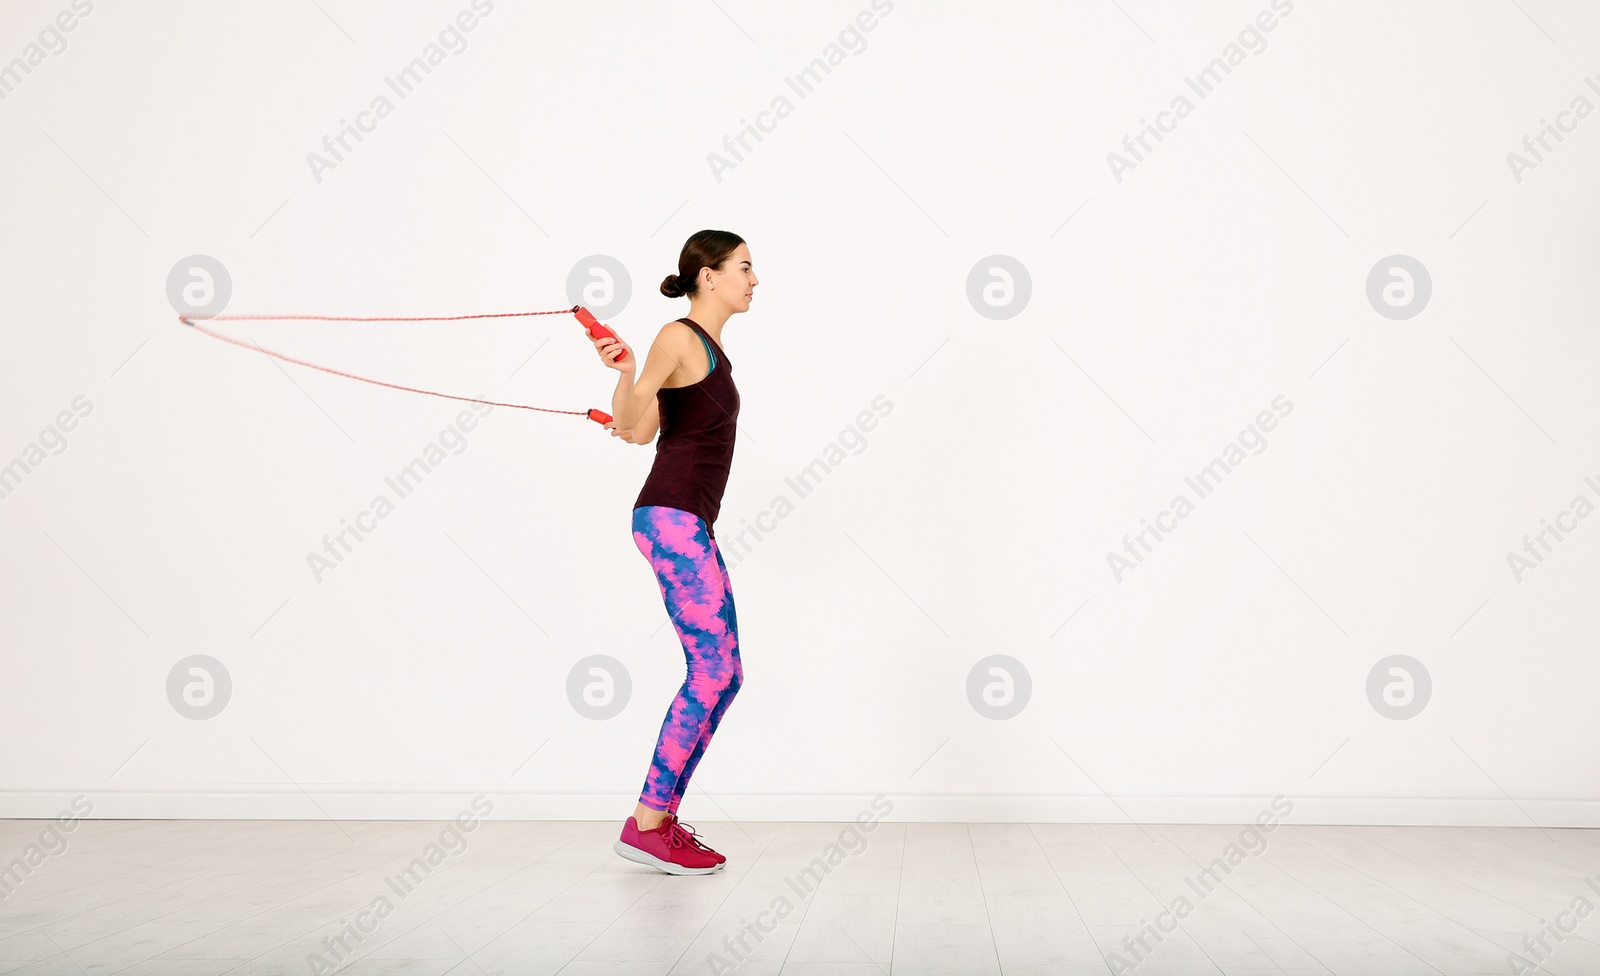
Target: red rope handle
x=598, y=416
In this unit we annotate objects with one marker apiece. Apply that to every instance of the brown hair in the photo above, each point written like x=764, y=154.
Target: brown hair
x=703, y=249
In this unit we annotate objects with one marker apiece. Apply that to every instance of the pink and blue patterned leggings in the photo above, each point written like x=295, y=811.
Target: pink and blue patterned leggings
x=699, y=597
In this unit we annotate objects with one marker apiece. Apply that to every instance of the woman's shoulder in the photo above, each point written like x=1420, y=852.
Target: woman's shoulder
x=677, y=333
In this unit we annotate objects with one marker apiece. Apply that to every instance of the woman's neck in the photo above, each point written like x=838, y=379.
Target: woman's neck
x=710, y=317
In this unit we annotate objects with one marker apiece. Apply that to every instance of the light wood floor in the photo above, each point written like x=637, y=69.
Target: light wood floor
x=186, y=898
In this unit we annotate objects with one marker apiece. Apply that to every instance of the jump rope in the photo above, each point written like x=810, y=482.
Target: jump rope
x=585, y=318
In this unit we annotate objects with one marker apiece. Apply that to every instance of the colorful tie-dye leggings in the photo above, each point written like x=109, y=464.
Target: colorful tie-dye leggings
x=699, y=597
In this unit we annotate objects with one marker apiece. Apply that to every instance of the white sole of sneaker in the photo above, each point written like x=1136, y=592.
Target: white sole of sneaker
x=646, y=858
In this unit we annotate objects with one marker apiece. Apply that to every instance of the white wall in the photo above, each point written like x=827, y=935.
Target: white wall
x=1225, y=272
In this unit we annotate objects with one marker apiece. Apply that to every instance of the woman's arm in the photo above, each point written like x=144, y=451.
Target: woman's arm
x=644, y=431
x=634, y=398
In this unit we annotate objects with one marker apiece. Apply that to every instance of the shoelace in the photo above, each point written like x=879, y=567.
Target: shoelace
x=687, y=833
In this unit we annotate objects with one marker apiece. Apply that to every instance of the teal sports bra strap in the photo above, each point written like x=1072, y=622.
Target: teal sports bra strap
x=712, y=356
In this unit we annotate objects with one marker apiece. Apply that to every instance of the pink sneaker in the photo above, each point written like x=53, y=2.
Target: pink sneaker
x=666, y=848
x=693, y=838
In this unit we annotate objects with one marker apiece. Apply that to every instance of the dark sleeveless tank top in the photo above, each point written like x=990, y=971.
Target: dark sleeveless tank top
x=695, y=450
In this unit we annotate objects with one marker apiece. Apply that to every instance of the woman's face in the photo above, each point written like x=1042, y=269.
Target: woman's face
x=734, y=285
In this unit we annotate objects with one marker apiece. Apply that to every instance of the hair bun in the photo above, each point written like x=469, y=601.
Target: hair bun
x=672, y=286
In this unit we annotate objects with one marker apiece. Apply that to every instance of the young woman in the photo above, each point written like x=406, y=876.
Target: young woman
x=685, y=389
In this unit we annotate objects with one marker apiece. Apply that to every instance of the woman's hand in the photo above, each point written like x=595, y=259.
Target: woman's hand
x=626, y=435
x=608, y=349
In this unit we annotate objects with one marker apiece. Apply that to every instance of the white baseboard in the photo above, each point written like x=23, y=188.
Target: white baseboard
x=351, y=802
